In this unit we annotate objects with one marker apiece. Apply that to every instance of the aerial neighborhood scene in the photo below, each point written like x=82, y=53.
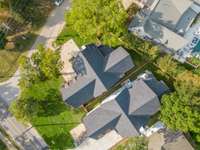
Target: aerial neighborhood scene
x=99, y=74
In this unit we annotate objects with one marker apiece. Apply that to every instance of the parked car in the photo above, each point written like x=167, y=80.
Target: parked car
x=58, y=2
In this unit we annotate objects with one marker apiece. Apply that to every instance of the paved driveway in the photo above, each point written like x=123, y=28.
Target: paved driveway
x=104, y=143
x=54, y=25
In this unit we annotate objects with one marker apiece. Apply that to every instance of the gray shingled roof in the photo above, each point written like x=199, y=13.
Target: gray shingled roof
x=103, y=68
x=168, y=12
x=127, y=112
x=167, y=21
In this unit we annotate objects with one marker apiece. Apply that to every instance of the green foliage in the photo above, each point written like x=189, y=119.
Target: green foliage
x=167, y=65
x=43, y=65
x=31, y=11
x=38, y=99
x=100, y=21
x=181, y=109
x=55, y=128
x=195, y=61
x=146, y=48
x=136, y=143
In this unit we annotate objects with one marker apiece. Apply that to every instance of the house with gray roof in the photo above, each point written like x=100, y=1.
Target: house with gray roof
x=128, y=109
x=166, y=22
x=166, y=139
x=97, y=68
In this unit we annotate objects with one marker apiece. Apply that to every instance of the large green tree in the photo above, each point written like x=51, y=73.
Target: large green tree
x=167, y=65
x=99, y=21
x=39, y=83
x=43, y=65
x=181, y=109
x=39, y=99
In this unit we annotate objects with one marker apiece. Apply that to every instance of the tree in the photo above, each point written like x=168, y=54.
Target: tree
x=43, y=65
x=39, y=99
x=100, y=21
x=167, y=65
x=180, y=110
x=153, y=52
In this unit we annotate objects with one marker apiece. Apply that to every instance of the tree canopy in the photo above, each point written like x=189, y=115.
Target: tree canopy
x=181, y=109
x=167, y=65
x=43, y=65
x=39, y=99
x=98, y=21
x=39, y=84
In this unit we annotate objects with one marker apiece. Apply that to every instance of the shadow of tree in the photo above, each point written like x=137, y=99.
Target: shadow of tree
x=60, y=141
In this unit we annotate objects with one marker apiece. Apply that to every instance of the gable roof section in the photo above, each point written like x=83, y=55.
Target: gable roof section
x=159, y=87
x=168, y=12
x=141, y=95
x=96, y=80
x=159, y=32
x=106, y=120
x=113, y=65
x=131, y=109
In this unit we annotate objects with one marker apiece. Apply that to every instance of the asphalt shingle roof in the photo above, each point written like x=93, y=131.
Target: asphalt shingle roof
x=131, y=108
x=97, y=79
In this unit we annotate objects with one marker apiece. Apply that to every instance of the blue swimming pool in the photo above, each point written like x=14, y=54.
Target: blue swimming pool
x=196, y=48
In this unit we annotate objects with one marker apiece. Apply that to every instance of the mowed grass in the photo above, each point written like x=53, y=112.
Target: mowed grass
x=55, y=129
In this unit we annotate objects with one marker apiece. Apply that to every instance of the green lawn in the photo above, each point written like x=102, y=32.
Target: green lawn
x=55, y=129
x=67, y=34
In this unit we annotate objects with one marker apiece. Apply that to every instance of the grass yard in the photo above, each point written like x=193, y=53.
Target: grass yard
x=67, y=34
x=55, y=129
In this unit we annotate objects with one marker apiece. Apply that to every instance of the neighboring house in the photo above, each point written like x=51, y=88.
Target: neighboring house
x=126, y=110
x=168, y=140
x=97, y=69
x=169, y=23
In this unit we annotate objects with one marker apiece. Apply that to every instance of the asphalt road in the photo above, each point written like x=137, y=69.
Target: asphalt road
x=26, y=136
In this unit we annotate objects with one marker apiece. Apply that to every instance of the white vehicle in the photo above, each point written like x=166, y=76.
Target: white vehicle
x=58, y=2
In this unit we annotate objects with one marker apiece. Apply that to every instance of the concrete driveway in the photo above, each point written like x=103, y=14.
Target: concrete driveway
x=9, y=90
x=104, y=143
